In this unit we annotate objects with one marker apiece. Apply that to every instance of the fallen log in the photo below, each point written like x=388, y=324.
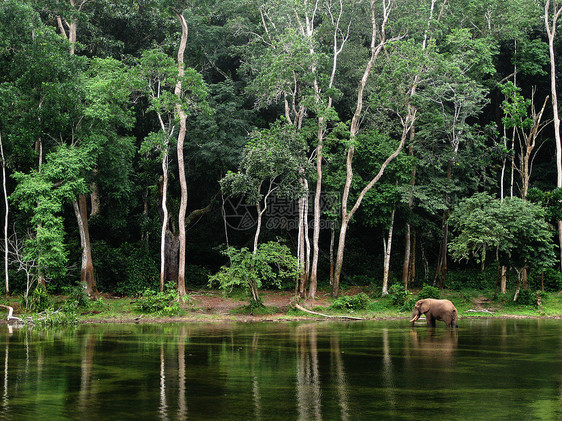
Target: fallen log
x=10, y=314
x=299, y=307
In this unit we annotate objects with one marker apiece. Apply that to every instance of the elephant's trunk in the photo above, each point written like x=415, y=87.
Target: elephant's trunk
x=416, y=317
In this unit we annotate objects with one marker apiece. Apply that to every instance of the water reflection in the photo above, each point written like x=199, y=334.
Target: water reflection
x=304, y=371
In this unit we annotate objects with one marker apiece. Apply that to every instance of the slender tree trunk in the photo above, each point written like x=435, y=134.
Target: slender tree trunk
x=503, y=283
x=412, y=271
x=317, y=214
x=39, y=150
x=164, y=220
x=332, y=243
x=387, y=251
x=551, y=32
x=406, y=263
x=6, y=213
x=87, y=267
x=181, y=164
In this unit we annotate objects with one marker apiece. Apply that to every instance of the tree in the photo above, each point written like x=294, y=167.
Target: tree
x=551, y=13
x=273, y=162
x=517, y=228
x=158, y=72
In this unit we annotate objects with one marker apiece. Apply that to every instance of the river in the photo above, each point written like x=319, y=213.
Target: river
x=484, y=370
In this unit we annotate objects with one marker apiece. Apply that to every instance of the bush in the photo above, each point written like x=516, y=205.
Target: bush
x=351, y=302
x=126, y=270
x=552, y=280
x=272, y=265
x=472, y=278
x=78, y=295
x=62, y=317
x=164, y=303
x=398, y=295
x=429, y=291
x=38, y=300
x=409, y=303
x=527, y=298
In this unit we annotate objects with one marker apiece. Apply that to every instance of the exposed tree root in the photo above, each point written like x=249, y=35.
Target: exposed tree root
x=326, y=315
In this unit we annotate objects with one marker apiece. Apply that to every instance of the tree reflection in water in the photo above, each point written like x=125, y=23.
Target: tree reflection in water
x=304, y=371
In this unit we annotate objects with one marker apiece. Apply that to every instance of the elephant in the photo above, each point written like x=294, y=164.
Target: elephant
x=435, y=310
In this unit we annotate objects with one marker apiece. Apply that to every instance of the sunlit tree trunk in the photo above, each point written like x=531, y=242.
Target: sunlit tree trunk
x=181, y=164
x=6, y=214
x=87, y=267
x=550, y=25
x=164, y=219
x=387, y=251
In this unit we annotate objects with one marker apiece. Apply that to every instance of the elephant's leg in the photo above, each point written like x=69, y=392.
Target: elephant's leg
x=430, y=320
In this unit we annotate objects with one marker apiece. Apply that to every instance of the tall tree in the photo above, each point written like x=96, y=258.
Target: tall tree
x=552, y=12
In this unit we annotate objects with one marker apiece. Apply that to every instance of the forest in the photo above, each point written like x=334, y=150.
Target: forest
x=299, y=144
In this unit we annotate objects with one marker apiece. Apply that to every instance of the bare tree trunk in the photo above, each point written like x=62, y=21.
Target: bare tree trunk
x=503, y=282
x=551, y=32
x=387, y=250
x=332, y=243
x=39, y=150
x=164, y=219
x=378, y=41
x=406, y=263
x=6, y=213
x=317, y=214
x=412, y=269
x=181, y=164
x=87, y=267
x=301, y=253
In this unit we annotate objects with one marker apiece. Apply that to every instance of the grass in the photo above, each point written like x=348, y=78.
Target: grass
x=466, y=301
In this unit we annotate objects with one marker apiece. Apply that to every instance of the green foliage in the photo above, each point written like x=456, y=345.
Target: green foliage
x=78, y=296
x=550, y=278
x=127, y=270
x=472, y=278
x=398, y=295
x=527, y=297
x=64, y=317
x=272, y=265
x=256, y=308
x=351, y=302
x=38, y=301
x=166, y=303
x=516, y=227
x=409, y=303
x=273, y=156
x=429, y=291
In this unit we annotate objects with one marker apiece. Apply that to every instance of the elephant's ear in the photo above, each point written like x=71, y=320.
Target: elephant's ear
x=424, y=307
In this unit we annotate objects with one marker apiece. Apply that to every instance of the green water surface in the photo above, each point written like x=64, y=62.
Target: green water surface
x=485, y=370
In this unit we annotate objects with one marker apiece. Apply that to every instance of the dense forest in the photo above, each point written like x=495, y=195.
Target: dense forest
x=302, y=144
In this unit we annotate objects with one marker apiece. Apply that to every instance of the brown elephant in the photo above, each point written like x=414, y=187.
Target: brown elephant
x=435, y=310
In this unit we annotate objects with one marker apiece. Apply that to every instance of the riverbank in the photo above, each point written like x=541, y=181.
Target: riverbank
x=279, y=306
x=214, y=306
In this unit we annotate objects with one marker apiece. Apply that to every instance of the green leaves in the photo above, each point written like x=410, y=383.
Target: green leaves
x=271, y=265
x=516, y=227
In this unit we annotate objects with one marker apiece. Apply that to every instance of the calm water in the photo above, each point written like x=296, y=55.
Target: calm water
x=504, y=370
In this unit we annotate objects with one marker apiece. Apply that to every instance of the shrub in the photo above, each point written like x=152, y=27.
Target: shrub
x=38, y=301
x=398, y=295
x=527, y=298
x=472, y=278
x=552, y=280
x=79, y=295
x=127, y=270
x=62, y=317
x=351, y=302
x=409, y=303
x=165, y=303
x=429, y=291
x=272, y=265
